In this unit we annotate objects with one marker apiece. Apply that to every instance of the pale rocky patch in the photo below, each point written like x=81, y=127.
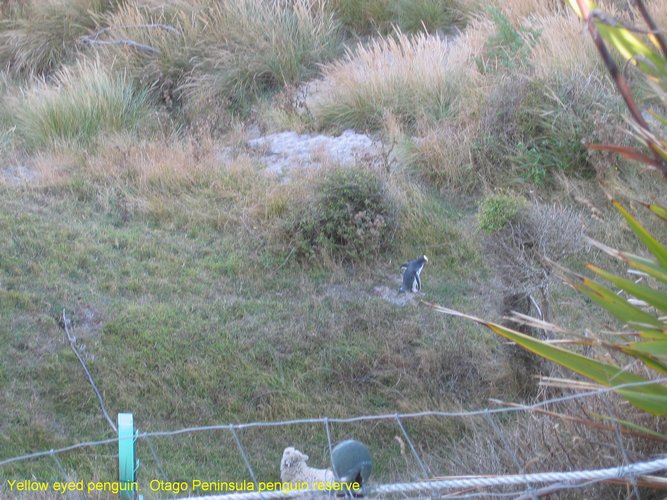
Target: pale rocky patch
x=284, y=151
x=18, y=175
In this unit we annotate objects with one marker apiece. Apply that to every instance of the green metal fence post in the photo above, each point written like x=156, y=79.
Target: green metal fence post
x=127, y=458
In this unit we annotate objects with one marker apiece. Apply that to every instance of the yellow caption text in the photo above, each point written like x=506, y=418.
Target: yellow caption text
x=176, y=487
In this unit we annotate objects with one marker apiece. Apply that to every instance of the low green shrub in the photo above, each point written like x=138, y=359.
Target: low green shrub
x=350, y=218
x=497, y=210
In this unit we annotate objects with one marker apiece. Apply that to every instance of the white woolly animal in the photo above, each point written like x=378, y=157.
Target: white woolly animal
x=293, y=469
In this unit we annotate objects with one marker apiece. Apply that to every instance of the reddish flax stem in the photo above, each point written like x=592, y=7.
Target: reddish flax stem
x=621, y=83
x=655, y=31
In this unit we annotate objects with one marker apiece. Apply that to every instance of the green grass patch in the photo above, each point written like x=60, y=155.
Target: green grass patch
x=508, y=47
x=430, y=225
x=363, y=17
x=194, y=327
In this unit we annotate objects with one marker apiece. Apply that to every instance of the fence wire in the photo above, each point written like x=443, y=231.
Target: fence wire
x=534, y=484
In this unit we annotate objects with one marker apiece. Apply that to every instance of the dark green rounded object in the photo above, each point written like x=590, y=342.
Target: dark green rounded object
x=352, y=462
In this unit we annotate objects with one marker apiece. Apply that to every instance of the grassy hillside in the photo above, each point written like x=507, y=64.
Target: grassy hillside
x=203, y=291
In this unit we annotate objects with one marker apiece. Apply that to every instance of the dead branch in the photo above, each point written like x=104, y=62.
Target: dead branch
x=95, y=38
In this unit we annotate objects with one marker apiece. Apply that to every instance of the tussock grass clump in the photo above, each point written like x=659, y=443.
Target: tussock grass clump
x=37, y=37
x=519, y=120
x=363, y=16
x=83, y=101
x=220, y=55
x=578, y=103
x=257, y=46
x=348, y=217
x=168, y=33
x=547, y=96
x=429, y=15
x=408, y=76
x=550, y=134
x=439, y=155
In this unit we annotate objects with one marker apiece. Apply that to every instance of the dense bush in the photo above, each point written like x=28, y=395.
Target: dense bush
x=551, y=133
x=350, y=218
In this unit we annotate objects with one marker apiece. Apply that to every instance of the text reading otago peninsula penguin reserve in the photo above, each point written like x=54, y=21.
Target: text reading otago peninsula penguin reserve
x=175, y=487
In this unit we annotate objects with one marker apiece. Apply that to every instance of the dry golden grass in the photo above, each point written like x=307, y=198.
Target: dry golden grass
x=658, y=10
x=562, y=48
x=408, y=76
x=142, y=23
x=150, y=165
x=175, y=180
x=469, y=45
x=440, y=155
x=54, y=170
